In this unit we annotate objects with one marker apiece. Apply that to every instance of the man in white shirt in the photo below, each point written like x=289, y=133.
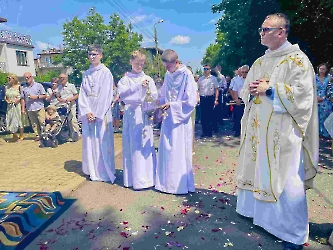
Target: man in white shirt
x=218, y=110
x=67, y=95
x=239, y=107
x=209, y=94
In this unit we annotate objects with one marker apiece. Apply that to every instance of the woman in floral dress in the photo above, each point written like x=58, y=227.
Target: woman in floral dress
x=324, y=104
x=14, y=116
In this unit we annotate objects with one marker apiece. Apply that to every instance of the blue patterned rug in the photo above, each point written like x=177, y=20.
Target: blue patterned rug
x=25, y=215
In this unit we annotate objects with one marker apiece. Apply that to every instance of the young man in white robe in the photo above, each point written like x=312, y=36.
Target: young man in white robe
x=279, y=141
x=95, y=101
x=178, y=98
x=139, y=157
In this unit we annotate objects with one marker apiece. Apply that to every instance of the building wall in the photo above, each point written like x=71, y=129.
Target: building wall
x=11, y=61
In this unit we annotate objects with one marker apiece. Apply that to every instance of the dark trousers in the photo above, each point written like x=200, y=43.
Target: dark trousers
x=207, y=114
x=238, y=114
x=218, y=113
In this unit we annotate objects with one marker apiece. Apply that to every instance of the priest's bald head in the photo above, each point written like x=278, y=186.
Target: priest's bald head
x=274, y=30
x=170, y=60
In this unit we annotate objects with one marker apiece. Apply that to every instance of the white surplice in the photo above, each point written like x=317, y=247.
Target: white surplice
x=139, y=157
x=174, y=169
x=97, y=138
x=279, y=147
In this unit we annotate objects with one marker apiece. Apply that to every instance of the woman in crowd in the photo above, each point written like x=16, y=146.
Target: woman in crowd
x=329, y=94
x=14, y=116
x=116, y=110
x=51, y=93
x=324, y=104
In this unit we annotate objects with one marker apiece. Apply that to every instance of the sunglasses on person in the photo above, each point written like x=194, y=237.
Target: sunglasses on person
x=245, y=72
x=265, y=30
x=206, y=69
x=9, y=78
x=28, y=77
x=92, y=54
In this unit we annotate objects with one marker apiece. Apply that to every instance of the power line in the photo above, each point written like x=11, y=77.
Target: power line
x=132, y=16
x=129, y=19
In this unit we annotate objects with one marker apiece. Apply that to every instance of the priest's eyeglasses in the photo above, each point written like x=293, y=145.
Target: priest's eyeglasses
x=264, y=30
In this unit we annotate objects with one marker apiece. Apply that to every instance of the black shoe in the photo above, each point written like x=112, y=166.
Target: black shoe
x=292, y=246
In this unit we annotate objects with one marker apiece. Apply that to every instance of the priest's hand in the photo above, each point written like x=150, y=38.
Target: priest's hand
x=90, y=117
x=262, y=86
x=253, y=87
x=166, y=106
x=238, y=102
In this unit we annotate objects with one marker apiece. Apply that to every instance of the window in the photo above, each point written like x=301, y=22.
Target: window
x=21, y=58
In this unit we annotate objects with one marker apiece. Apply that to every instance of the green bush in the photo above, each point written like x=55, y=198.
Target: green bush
x=47, y=76
x=3, y=78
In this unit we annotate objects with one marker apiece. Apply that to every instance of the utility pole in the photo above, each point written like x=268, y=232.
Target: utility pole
x=156, y=47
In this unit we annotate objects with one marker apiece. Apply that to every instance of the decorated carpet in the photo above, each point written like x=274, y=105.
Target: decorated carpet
x=24, y=215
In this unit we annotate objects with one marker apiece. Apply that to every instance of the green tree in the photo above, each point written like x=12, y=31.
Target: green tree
x=47, y=76
x=3, y=78
x=199, y=71
x=151, y=67
x=117, y=40
x=241, y=19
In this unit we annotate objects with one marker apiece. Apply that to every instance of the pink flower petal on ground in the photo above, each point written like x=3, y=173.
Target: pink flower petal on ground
x=206, y=157
x=162, y=208
x=123, y=234
x=306, y=244
x=219, y=185
x=125, y=222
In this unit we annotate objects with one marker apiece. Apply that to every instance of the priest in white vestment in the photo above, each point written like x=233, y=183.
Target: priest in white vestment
x=139, y=157
x=95, y=100
x=178, y=96
x=279, y=141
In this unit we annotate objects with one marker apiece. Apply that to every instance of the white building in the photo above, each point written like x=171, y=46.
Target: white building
x=16, y=53
x=44, y=62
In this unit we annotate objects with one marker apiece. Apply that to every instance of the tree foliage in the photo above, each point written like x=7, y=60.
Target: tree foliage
x=47, y=76
x=117, y=40
x=151, y=67
x=3, y=78
x=311, y=27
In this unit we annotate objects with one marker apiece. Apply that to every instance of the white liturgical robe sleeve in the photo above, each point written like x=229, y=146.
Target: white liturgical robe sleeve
x=182, y=109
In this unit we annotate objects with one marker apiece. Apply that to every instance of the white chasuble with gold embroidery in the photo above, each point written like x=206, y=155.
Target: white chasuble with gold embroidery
x=273, y=131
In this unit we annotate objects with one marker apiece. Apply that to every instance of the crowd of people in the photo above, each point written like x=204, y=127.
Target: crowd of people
x=26, y=106
x=279, y=108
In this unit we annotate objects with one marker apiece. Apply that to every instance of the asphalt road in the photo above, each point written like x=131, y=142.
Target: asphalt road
x=106, y=216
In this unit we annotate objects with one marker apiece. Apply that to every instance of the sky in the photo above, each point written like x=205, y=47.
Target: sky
x=188, y=27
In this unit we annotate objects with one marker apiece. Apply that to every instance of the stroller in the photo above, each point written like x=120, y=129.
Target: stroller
x=61, y=134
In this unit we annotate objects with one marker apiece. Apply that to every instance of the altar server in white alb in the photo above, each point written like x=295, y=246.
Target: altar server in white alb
x=95, y=100
x=279, y=140
x=179, y=97
x=139, y=158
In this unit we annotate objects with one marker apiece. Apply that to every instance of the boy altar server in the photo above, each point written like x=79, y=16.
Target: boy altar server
x=95, y=100
x=139, y=156
x=179, y=97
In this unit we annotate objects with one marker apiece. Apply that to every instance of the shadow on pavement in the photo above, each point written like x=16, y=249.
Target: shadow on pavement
x=74, y=166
